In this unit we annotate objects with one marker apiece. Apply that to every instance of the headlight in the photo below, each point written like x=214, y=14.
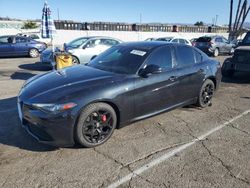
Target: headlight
x=71, y=51
x=54, y=108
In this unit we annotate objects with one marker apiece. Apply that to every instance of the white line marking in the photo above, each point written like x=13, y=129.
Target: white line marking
x=171, y=153
x=8, y=110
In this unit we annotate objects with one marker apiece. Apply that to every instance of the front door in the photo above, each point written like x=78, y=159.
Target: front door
x=158, y=91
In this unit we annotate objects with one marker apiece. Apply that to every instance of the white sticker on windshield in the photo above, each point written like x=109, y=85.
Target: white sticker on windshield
x=138, y=52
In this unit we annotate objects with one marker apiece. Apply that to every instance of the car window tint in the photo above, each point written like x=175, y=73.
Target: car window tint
x=4, y=40
x=218, y=40
x=182, y=41
x=34, y=36
x=161, y=57
x=109, y=42
x=204, y=39
x=175, y=40
x=21, y=40
x=198, y=57
x=120, y=59
x=185, y=56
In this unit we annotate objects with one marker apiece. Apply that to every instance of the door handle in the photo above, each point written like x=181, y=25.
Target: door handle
x=172, y=78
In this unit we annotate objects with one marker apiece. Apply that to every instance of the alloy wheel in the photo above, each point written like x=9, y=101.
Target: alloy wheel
x=207, y=94
x=98, y=126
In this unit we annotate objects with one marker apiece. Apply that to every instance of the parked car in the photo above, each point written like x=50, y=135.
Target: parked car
x=193, y=41
x=82, y=49
x=126, y=83
x=240, y=62
x=175, y=40
x=37, y=37
x=12, y=45
x=214, y=45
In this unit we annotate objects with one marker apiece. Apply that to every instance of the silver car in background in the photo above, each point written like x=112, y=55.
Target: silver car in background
x=82, y=49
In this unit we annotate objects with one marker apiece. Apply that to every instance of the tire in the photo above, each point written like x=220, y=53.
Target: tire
x=96, y=124
x=75, y=60
x=206, y=93
x=216, y=52
x=33, y=53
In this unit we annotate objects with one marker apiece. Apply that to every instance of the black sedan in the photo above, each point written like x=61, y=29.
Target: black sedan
x=126, y=83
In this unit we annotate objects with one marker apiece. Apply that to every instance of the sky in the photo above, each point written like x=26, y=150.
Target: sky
x=130, y=11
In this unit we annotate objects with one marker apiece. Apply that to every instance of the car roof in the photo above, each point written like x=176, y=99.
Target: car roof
x=149, y=45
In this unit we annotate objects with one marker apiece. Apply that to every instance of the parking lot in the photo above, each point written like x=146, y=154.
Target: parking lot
x=187, y=147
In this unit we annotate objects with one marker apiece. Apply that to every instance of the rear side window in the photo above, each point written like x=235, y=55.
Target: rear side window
x=185, y=56
x=218, y=40
x=182, y=41
x=161, y=57
x=204, y=39
x=109, y=42
x=21, y=40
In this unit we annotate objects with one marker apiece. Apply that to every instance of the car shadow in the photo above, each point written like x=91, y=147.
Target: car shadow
x=11, y=132
x=37, y=66
x=21, y=75
x=238, y=78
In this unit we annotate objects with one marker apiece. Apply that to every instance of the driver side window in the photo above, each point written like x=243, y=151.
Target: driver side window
x=93, y=43
x=161, y=57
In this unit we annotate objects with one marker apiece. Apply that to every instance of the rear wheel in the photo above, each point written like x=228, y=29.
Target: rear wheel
x=216, y=52
x=206, y=94
x=33, y=53
x=96, y=124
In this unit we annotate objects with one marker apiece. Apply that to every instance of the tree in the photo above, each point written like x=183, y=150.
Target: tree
x=200, y=23
x=29, y=25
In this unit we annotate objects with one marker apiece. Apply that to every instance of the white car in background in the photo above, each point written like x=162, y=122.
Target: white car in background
x=82, y=49
x=37, y=37
x=175, y=40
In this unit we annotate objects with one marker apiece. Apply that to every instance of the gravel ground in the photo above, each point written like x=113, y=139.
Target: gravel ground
x=218, y=159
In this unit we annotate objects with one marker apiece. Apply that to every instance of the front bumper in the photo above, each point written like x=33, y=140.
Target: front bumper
x=56, y=130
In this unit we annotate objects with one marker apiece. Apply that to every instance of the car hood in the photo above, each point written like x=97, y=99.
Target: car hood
x=61, y=80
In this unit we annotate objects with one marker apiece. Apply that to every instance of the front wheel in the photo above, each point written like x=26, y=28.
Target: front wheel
x=216, y=52
x=33, y=53
x=96, y=124
x=206, y=94
x=75, y=60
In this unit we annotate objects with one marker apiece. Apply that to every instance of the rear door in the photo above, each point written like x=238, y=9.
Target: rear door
x=220, y=44
x=190, y=72
x=6, y=46
x=21, y=45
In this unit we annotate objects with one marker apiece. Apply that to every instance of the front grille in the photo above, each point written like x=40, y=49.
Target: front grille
x=37, y=131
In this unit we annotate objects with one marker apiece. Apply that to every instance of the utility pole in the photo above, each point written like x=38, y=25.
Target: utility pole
x=230, y=18
x=216, y=19
x=58, y=16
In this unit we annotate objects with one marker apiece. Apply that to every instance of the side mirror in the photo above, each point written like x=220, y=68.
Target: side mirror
x=150, y=69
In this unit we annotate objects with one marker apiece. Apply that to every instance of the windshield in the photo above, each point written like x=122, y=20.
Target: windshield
x=120, y=59
x=77, y=42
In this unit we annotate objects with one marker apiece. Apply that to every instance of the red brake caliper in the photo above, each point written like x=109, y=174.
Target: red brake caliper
x=104, y=118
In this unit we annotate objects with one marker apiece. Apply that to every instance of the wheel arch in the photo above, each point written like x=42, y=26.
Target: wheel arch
x=213, y=80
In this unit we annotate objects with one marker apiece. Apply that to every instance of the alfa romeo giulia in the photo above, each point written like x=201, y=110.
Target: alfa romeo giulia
x=128, y=82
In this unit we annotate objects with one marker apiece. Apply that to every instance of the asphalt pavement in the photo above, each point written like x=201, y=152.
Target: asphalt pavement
x=187, y=147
